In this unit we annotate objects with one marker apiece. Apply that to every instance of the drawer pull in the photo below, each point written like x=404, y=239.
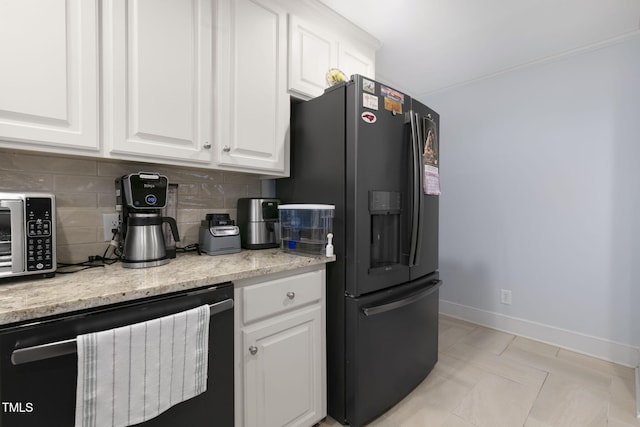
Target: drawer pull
x=291, y=295
x=253, y=349
x=370, y=311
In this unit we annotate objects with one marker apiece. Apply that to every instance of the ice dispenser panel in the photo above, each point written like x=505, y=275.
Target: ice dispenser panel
x=384, y=208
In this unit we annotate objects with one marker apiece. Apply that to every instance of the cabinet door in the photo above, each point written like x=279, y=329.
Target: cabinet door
x=312, y=53
x=283, y=371
x=356, y=61
x=49, y=74
x=157, y=73
x=252, y=103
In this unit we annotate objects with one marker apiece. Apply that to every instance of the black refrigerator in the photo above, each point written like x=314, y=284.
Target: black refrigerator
x=373, y=152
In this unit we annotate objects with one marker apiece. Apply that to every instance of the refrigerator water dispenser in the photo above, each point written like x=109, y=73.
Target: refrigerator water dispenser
x=384, y=208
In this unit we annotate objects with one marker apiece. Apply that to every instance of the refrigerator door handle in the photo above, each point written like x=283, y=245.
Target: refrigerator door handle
x=417, y=199
x=420, y=190
x=378, y=309
x=415, y=182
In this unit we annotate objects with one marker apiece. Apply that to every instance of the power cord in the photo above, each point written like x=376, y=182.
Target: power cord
x=94, y=261
x=79, y=266
x=190, y=248
x=112, y=244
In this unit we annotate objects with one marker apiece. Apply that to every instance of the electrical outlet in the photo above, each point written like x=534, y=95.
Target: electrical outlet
x=505, y=296
x=110, y=221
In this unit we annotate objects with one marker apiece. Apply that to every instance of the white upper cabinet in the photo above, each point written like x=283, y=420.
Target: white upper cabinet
x=157, y=79
x=352, y=60
x=203, y=83
x=312, y=52
x=251, y=99
x=49, y=75
x=323, y=41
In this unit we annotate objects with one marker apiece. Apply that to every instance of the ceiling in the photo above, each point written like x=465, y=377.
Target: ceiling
x=430, y=45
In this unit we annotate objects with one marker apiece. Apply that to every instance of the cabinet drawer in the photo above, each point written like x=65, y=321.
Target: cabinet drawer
x=277, y=296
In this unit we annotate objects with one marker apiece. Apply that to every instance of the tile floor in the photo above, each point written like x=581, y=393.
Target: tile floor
x=487, y=378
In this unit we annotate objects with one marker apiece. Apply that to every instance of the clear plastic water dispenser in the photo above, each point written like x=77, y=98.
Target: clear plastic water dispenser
x=304, y=227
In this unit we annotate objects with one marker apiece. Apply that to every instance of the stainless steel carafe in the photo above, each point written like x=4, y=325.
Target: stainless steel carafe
x=144, y=244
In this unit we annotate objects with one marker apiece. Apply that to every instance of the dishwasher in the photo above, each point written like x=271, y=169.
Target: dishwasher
x=38, y=365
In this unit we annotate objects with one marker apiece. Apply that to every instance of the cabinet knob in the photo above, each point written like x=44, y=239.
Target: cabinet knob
x=226, y=149
x=253, y=349
x=291, y=295
x=207, y=145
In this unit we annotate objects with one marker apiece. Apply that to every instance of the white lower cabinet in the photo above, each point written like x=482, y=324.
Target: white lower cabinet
x=280, y=350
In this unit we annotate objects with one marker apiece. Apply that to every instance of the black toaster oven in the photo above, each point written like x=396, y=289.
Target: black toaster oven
x=27, y=234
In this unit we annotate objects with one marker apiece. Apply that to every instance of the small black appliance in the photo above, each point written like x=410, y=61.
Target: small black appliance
x=219, y=235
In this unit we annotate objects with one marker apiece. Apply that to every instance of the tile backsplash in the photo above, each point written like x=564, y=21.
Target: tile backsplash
x=84, y=190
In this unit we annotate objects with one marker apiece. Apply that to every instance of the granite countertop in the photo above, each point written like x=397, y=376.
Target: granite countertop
x=24, y=300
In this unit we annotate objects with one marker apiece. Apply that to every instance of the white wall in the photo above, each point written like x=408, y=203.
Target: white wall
x=541, y=195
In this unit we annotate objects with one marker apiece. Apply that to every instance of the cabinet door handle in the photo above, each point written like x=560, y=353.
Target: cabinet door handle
x=226, y=149
x=253, y=349
x=207, y=145
x=291, y=295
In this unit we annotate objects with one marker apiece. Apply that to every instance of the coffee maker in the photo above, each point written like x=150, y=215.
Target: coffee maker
x=140, y=197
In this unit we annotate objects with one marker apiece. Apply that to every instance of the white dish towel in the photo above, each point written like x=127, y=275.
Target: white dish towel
x=131, y=374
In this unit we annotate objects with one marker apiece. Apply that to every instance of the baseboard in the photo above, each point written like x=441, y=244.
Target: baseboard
x=622, y=354
x=637, y=391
